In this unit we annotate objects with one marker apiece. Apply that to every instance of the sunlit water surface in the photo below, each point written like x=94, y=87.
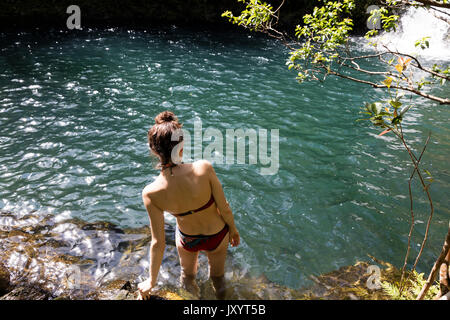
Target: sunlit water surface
x=75, y=109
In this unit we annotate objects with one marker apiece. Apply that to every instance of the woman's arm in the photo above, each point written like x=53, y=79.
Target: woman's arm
x=158, y=243
x=222, y=204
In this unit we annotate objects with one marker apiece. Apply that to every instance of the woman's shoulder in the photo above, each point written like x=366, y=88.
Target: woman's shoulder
x=153, y=189
x=202, y=166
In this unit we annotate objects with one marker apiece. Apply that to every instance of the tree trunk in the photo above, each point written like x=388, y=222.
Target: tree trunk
x=436, y=266
x=444, y=280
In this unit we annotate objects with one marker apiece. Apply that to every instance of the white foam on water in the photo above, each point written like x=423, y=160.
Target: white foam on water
x=415, y=24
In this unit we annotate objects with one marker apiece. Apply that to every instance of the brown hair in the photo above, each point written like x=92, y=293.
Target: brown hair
x=160, y=136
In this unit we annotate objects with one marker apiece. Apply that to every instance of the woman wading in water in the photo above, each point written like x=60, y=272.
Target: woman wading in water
x=193, y=194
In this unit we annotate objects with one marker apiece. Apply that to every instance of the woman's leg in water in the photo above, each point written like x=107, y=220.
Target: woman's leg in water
x=188, y=262
x=216, y=259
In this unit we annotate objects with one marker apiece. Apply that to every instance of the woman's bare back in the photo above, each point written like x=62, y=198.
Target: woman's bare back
x=187, y=188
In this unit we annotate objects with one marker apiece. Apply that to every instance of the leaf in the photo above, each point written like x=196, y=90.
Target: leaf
x=395, y=103
x=423, y=43
x=396, y=120
x=402, y=64
x=399, y=95
x=388, y=82
x=374, y=107
x=403, y=61
x=404, y=110
x=384, y=132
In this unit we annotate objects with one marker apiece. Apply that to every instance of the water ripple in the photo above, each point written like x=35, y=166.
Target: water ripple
x=74, y=112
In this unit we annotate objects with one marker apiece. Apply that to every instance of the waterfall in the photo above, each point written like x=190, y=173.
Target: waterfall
x=417, y=23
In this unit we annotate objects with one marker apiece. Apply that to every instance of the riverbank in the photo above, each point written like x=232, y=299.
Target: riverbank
x=44, y=258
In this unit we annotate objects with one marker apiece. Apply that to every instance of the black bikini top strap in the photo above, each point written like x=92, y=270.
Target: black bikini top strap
x=207, y=205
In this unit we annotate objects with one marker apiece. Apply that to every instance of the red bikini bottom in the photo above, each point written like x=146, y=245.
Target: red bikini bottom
x=202, y=242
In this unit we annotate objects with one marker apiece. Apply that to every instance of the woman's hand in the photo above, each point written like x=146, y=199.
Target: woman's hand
x=235, y=239
x=144, y=290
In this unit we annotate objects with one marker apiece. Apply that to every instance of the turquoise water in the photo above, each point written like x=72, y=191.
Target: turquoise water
x=75, y=109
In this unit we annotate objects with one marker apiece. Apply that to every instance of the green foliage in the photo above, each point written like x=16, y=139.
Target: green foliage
x=423, y=43
x=256, y=16
x=387, y=114
x=322, y=34
x=439, y=69
x=410, y=289
x=388, y=19
x=321, y=49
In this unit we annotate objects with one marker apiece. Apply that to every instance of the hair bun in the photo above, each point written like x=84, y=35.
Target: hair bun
x=165, y=116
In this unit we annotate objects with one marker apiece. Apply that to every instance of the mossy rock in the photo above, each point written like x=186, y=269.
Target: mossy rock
x=350, y=283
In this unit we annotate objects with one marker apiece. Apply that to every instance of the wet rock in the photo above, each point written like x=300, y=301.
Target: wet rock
x=27, y=292
x=116, y=290
x=4, y=280
x=123, y=295
x=167, y=294
x=124, y=290
x=102, y=225
x=350, y=283
x=347, y=283
x=73, y=259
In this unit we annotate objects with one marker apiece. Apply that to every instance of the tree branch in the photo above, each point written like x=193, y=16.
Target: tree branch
x=432, y=3
x=419, y=65
x=380, y=86
x=411, y=209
